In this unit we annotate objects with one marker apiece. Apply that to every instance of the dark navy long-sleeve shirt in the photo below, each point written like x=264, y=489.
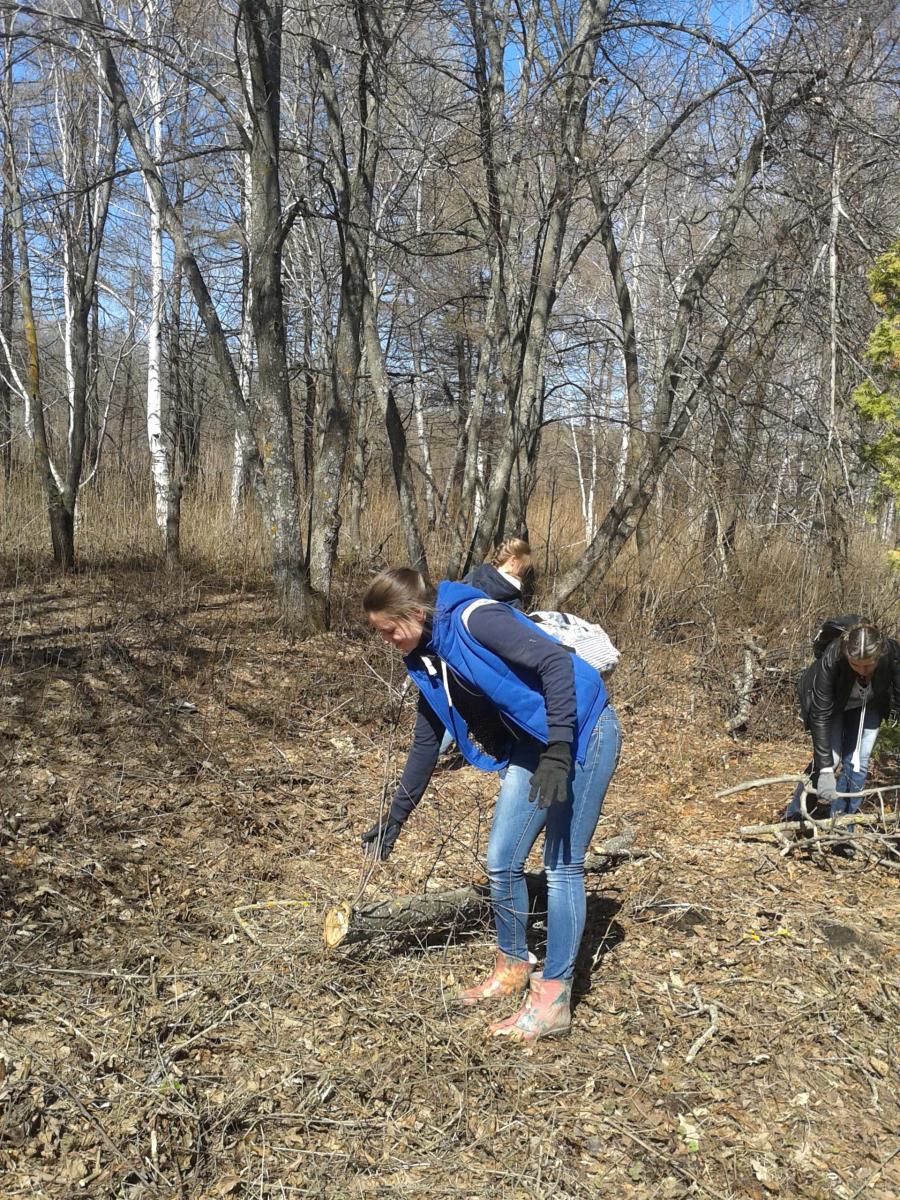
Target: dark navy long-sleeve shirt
x=495, y=626
x=496, y=585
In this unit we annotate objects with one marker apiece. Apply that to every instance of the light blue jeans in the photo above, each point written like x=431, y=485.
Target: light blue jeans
x=844, y=736
x=569, y=829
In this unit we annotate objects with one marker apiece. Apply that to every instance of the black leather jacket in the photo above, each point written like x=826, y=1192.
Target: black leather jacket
x=824, y=689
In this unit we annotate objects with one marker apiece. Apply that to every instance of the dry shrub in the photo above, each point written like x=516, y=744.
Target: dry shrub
x=775, y=584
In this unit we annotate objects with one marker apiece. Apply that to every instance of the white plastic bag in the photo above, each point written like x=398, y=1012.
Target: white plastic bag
x=589, y=641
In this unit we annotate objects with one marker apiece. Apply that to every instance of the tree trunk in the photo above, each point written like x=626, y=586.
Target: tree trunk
x=6, y=327
x=836, y=493
x=424, y=446
x=459, y=557
x=714, y=555
x=160, y=454
x=359, y=467
x=80, y=360
x=354, y=215
x=453, y=483
x=263, y=29
x=95, y=422
x=173, y=523
x=244, y=456
x=7, y=264
x=400, y=461
x=310, y=402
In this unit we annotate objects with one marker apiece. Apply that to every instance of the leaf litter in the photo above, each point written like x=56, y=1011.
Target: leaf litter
x=172, y=757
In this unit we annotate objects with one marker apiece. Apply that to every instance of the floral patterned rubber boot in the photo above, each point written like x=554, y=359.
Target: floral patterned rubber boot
x=508, y=978
x=546, y=1012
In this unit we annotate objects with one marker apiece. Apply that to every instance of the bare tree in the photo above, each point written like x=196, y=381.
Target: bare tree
x=262, y=29
x=84, y=153
x=7, y=263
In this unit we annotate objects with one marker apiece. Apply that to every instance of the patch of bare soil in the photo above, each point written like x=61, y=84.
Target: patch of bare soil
x=169, y=756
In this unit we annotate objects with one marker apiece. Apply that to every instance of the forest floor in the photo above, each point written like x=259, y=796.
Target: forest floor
x=173, y=756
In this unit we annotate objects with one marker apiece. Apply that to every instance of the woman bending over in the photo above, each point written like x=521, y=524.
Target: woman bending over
x=844, y=697
x=517, y=703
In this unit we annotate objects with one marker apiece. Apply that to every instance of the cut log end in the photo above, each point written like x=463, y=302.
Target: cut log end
x=337, y=924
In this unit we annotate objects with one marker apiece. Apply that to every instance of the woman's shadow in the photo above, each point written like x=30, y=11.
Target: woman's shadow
x=602, y=933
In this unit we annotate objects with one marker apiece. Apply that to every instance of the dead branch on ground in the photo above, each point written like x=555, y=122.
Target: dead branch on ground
x=874, y=834
x=441, y=910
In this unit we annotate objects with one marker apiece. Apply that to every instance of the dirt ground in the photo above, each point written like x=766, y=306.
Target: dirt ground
x=169, y=755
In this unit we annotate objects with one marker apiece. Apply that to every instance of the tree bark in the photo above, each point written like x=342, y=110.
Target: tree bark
x=359, y=466
x=400, y=461
x=354, y=213
x=245, y=456
x=459, y=558
x=263, y=30
x=7, y=266
x=160, y=452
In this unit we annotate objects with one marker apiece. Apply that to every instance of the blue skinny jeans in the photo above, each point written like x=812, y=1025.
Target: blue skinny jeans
x=569, y=829
x=844, y=736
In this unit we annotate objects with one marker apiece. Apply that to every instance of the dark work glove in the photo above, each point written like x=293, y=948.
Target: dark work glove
x=550, y=781
x=380, y=839
x=826, y=787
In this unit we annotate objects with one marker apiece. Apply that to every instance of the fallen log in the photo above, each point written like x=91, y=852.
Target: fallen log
x=824, y=823
x=437, y=911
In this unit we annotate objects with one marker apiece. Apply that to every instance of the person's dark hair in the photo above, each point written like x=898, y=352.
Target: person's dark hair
x=396, y=592
x=863, y=643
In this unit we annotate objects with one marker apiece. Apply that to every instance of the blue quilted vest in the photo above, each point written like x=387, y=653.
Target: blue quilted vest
x=514, y=691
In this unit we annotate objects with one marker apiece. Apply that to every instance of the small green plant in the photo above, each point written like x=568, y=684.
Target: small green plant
x=887, y=747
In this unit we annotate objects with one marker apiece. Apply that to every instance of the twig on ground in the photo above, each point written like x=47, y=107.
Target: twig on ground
x=820, y=832
x=864, y=1187
x=707, y=1033
x=755, y=783
x=439, y=910
x=130, y=1163
x=659, y=1154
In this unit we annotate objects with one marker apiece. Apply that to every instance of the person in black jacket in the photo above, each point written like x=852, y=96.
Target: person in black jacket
x=844, y=696
x=504, y=575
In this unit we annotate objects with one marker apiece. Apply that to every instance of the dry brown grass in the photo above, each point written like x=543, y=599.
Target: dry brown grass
x=117, y=528
x=775, y=582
